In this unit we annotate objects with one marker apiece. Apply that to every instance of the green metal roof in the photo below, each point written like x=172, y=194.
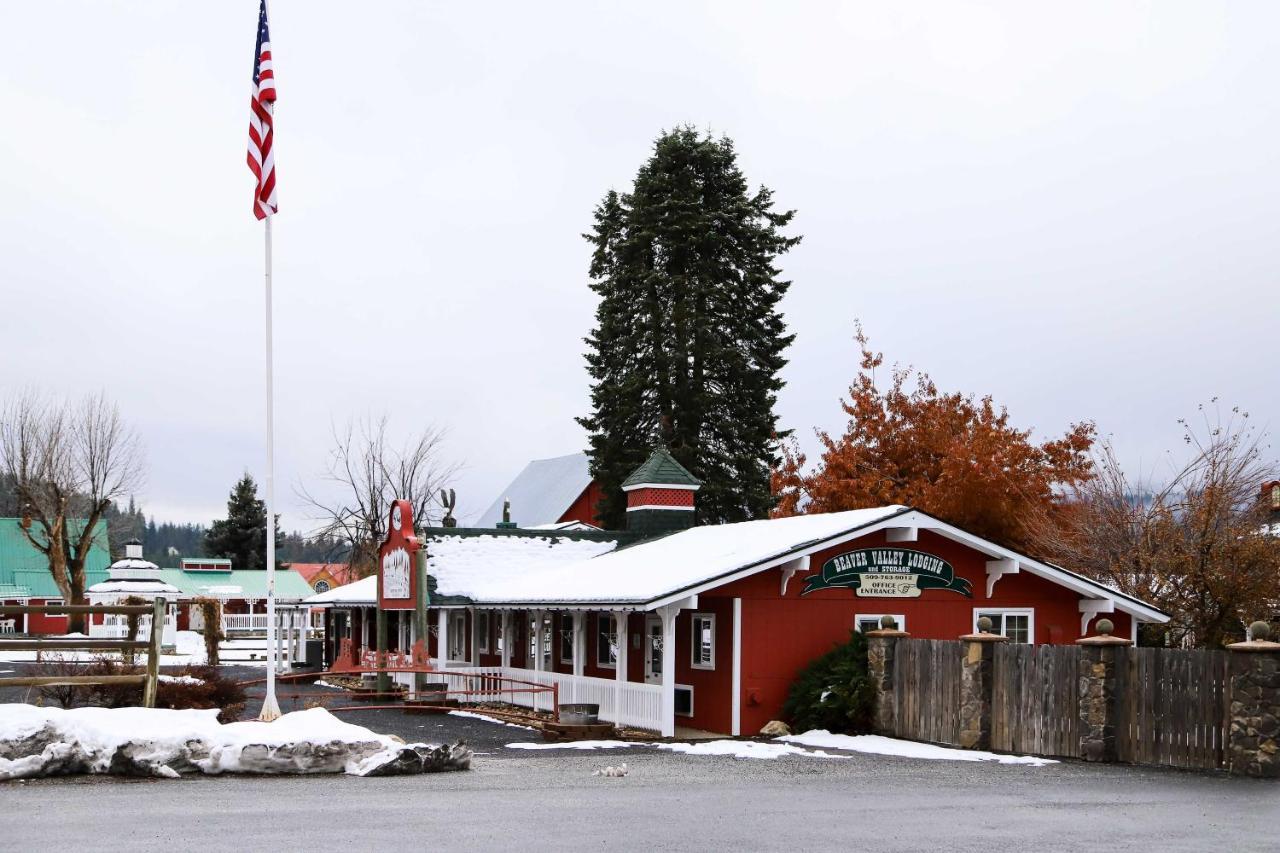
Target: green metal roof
x=25, y=571
x=238, y=583
x=661, y=467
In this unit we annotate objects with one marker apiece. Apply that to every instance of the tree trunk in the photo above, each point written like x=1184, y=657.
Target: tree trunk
x=77, y=622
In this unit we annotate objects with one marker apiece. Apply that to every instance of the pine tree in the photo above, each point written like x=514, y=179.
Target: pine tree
x=688, y=340
x=242, y=535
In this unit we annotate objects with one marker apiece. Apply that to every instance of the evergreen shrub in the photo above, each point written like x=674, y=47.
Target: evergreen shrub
x=834, y=692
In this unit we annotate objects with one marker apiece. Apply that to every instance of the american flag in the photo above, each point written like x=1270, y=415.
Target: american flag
x=262, y=161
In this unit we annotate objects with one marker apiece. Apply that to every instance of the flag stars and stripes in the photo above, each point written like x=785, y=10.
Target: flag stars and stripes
x=261, y=128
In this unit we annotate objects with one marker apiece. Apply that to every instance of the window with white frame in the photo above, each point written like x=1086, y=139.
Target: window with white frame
x=482, y=629
x=1017, y=623
x=864, y=622
x=704, y=641
x=606, y=640
x=566, y=638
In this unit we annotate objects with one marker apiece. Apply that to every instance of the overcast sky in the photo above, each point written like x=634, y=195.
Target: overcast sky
x=1070, y=206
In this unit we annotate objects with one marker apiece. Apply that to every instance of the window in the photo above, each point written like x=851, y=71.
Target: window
x=684, y=700
x=1275, y=496
x=566, y=638
x=482, y=629
x=865, y=622
x=322, y=586
x=704, y=641
x=606, y=641
x=1018, y=624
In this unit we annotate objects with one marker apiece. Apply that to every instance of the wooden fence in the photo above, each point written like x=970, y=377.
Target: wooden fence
x=927, y=690
x=1171, y=705
x=45, y=645
x=1035, y=700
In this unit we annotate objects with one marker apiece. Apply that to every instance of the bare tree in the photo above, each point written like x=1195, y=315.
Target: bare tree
x=1195, y=543
x=370, y=471
x=67, y=462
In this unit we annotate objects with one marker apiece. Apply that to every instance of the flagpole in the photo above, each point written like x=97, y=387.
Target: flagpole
x=270, y=707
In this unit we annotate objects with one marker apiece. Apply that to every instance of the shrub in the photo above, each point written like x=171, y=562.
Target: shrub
x=207, y=687
x=834, y=692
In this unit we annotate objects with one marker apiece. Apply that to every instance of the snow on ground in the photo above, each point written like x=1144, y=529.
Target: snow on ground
x=732, y=748
x=791, y=745
x=474, y=716
x=181, y=679
x=188, y=650
x=37, y=741
x=877, y=745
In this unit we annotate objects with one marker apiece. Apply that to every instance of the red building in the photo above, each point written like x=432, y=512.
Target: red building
x=667, y=625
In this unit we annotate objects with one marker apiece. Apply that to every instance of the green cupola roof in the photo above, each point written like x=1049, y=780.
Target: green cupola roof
x=661, y=468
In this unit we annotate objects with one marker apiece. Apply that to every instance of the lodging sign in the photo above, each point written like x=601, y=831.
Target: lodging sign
x=887, y=573
x=395, y=560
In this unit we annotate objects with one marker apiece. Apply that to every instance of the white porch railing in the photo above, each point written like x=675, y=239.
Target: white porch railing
x=640, y=705
x=244, y=623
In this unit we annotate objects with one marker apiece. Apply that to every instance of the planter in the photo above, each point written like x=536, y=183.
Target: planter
x=580, y=714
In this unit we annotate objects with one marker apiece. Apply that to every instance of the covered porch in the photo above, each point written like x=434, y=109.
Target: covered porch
x=643, y=667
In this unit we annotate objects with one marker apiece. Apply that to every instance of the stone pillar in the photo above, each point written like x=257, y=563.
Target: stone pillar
x=1253, y=739
x=880, y=653
x=977, y=679
x=1097, y=702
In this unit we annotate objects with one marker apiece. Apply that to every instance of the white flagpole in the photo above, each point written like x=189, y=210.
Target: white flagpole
x=270, y=707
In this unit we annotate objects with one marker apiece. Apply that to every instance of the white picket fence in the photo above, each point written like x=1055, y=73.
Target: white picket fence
x=640, y=705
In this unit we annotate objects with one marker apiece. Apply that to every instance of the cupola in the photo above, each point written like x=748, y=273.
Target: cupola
x=660, y=495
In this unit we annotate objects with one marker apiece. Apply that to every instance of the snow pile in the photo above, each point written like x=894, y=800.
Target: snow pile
x=37, y=741
x=180, y=679
x=818, y=739
x=189, y=649
x=877, y=745
x=474, y=716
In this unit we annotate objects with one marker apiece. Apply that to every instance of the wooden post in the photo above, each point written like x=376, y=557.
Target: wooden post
x=668, y=615
x=420, y=629
x=153, y=655
x=620, y=665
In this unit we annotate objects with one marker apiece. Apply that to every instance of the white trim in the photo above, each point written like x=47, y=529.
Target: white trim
x=997, y=569
x=1091, y=607
x=790, y=569
x=688, y=687
x=697, y=643
x=899, y=617
x=735, y=713
x=660, y=506
x=679, y=487
x=1029, y=612
x=914, y=518
x=483, y=644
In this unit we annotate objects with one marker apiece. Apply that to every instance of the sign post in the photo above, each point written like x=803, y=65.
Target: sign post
x=420, y=629
x=397, y=582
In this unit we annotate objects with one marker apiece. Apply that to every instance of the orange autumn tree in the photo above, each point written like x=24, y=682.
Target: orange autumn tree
x=950, y=455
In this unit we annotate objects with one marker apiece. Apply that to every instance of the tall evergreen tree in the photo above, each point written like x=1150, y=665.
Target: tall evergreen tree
x=688, y=340
x=242, y=535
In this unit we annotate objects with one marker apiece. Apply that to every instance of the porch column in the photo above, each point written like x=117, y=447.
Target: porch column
x=620, y=665
x=474, y=657
x=506, y=639
x=579, y=651
x=735, y=707
x=538, y=618
x=668, y=616
x=442, y=638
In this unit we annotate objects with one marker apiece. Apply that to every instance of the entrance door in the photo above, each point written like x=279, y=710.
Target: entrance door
x=653, y=650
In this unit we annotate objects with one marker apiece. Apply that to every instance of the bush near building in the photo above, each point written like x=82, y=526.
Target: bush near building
x=834, y=692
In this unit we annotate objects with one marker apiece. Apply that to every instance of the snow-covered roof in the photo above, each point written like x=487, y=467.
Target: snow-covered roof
x=542, y=492
x=141, y=587
x=524, y=570
x=650, y=570
x=363, y=591
x=565, y=525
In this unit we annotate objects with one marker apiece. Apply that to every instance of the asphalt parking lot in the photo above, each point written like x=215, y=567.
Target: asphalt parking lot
x=550, y=800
